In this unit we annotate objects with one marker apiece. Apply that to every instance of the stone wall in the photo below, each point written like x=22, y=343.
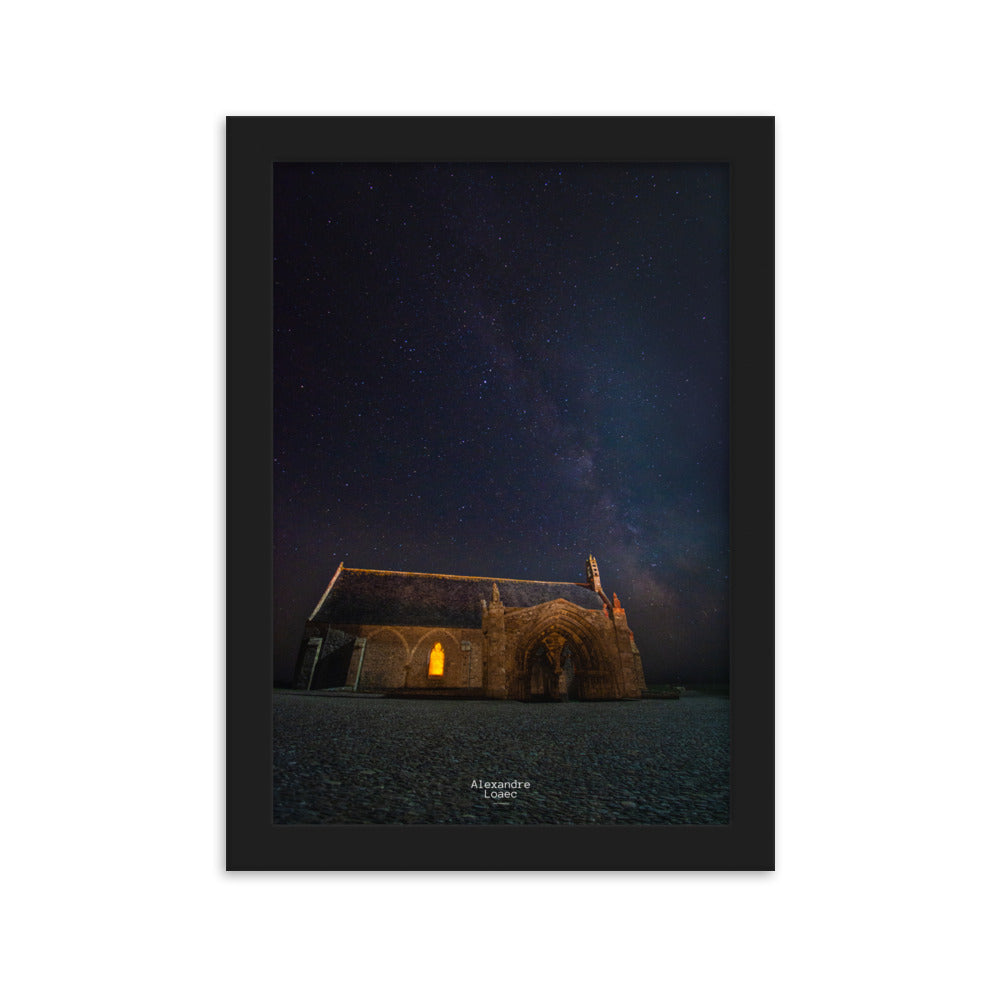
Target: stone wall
x=552, y=650
x=389, y=657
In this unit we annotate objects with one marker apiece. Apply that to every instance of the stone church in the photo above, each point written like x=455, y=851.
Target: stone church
x=469, y=636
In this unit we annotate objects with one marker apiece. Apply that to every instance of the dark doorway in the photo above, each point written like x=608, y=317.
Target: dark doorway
x=550, y=669
x=331, y=669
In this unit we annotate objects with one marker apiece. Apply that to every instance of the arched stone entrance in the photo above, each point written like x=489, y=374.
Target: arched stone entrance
x=550, y=668
x=562, y=655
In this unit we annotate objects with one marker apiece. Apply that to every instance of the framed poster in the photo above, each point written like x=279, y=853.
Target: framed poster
x=500, y=479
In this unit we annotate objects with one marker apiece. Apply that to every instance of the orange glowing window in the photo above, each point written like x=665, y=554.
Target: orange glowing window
x=436, y=668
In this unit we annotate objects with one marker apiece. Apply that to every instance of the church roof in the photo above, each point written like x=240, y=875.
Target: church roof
x=385, y=597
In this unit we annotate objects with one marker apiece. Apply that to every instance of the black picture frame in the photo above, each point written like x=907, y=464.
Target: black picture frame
x=253, y=842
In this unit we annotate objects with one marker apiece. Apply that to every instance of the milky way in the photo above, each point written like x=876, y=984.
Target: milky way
x=497, y=369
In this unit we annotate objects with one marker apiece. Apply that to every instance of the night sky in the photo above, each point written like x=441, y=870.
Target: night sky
x=498, y=369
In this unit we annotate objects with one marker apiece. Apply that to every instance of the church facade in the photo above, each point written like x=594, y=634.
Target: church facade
x=469, y=636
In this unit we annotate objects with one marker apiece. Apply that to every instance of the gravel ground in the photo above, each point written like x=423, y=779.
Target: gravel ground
x=381, y=760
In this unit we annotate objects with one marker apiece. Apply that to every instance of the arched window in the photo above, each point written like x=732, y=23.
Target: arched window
x=436, y=662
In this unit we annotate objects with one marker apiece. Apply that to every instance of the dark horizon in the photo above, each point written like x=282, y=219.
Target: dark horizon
x=498, y=369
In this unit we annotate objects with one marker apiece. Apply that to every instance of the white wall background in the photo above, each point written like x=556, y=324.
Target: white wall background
x=111, y=396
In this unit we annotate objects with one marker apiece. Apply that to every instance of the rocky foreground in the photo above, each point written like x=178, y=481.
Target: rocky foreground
x=378, y=760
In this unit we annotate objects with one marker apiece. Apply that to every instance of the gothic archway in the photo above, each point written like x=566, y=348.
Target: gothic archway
x=561, y=657
x=550, y=668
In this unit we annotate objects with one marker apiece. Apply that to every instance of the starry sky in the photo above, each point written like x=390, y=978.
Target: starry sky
x=498, y=369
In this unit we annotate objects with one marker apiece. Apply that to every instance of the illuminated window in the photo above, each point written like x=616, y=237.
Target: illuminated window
x=436, y=668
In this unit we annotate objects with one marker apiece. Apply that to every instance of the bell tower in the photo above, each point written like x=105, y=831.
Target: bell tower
x=593, y=576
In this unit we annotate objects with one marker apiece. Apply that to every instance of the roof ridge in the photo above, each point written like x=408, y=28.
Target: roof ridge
x=457, y=576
